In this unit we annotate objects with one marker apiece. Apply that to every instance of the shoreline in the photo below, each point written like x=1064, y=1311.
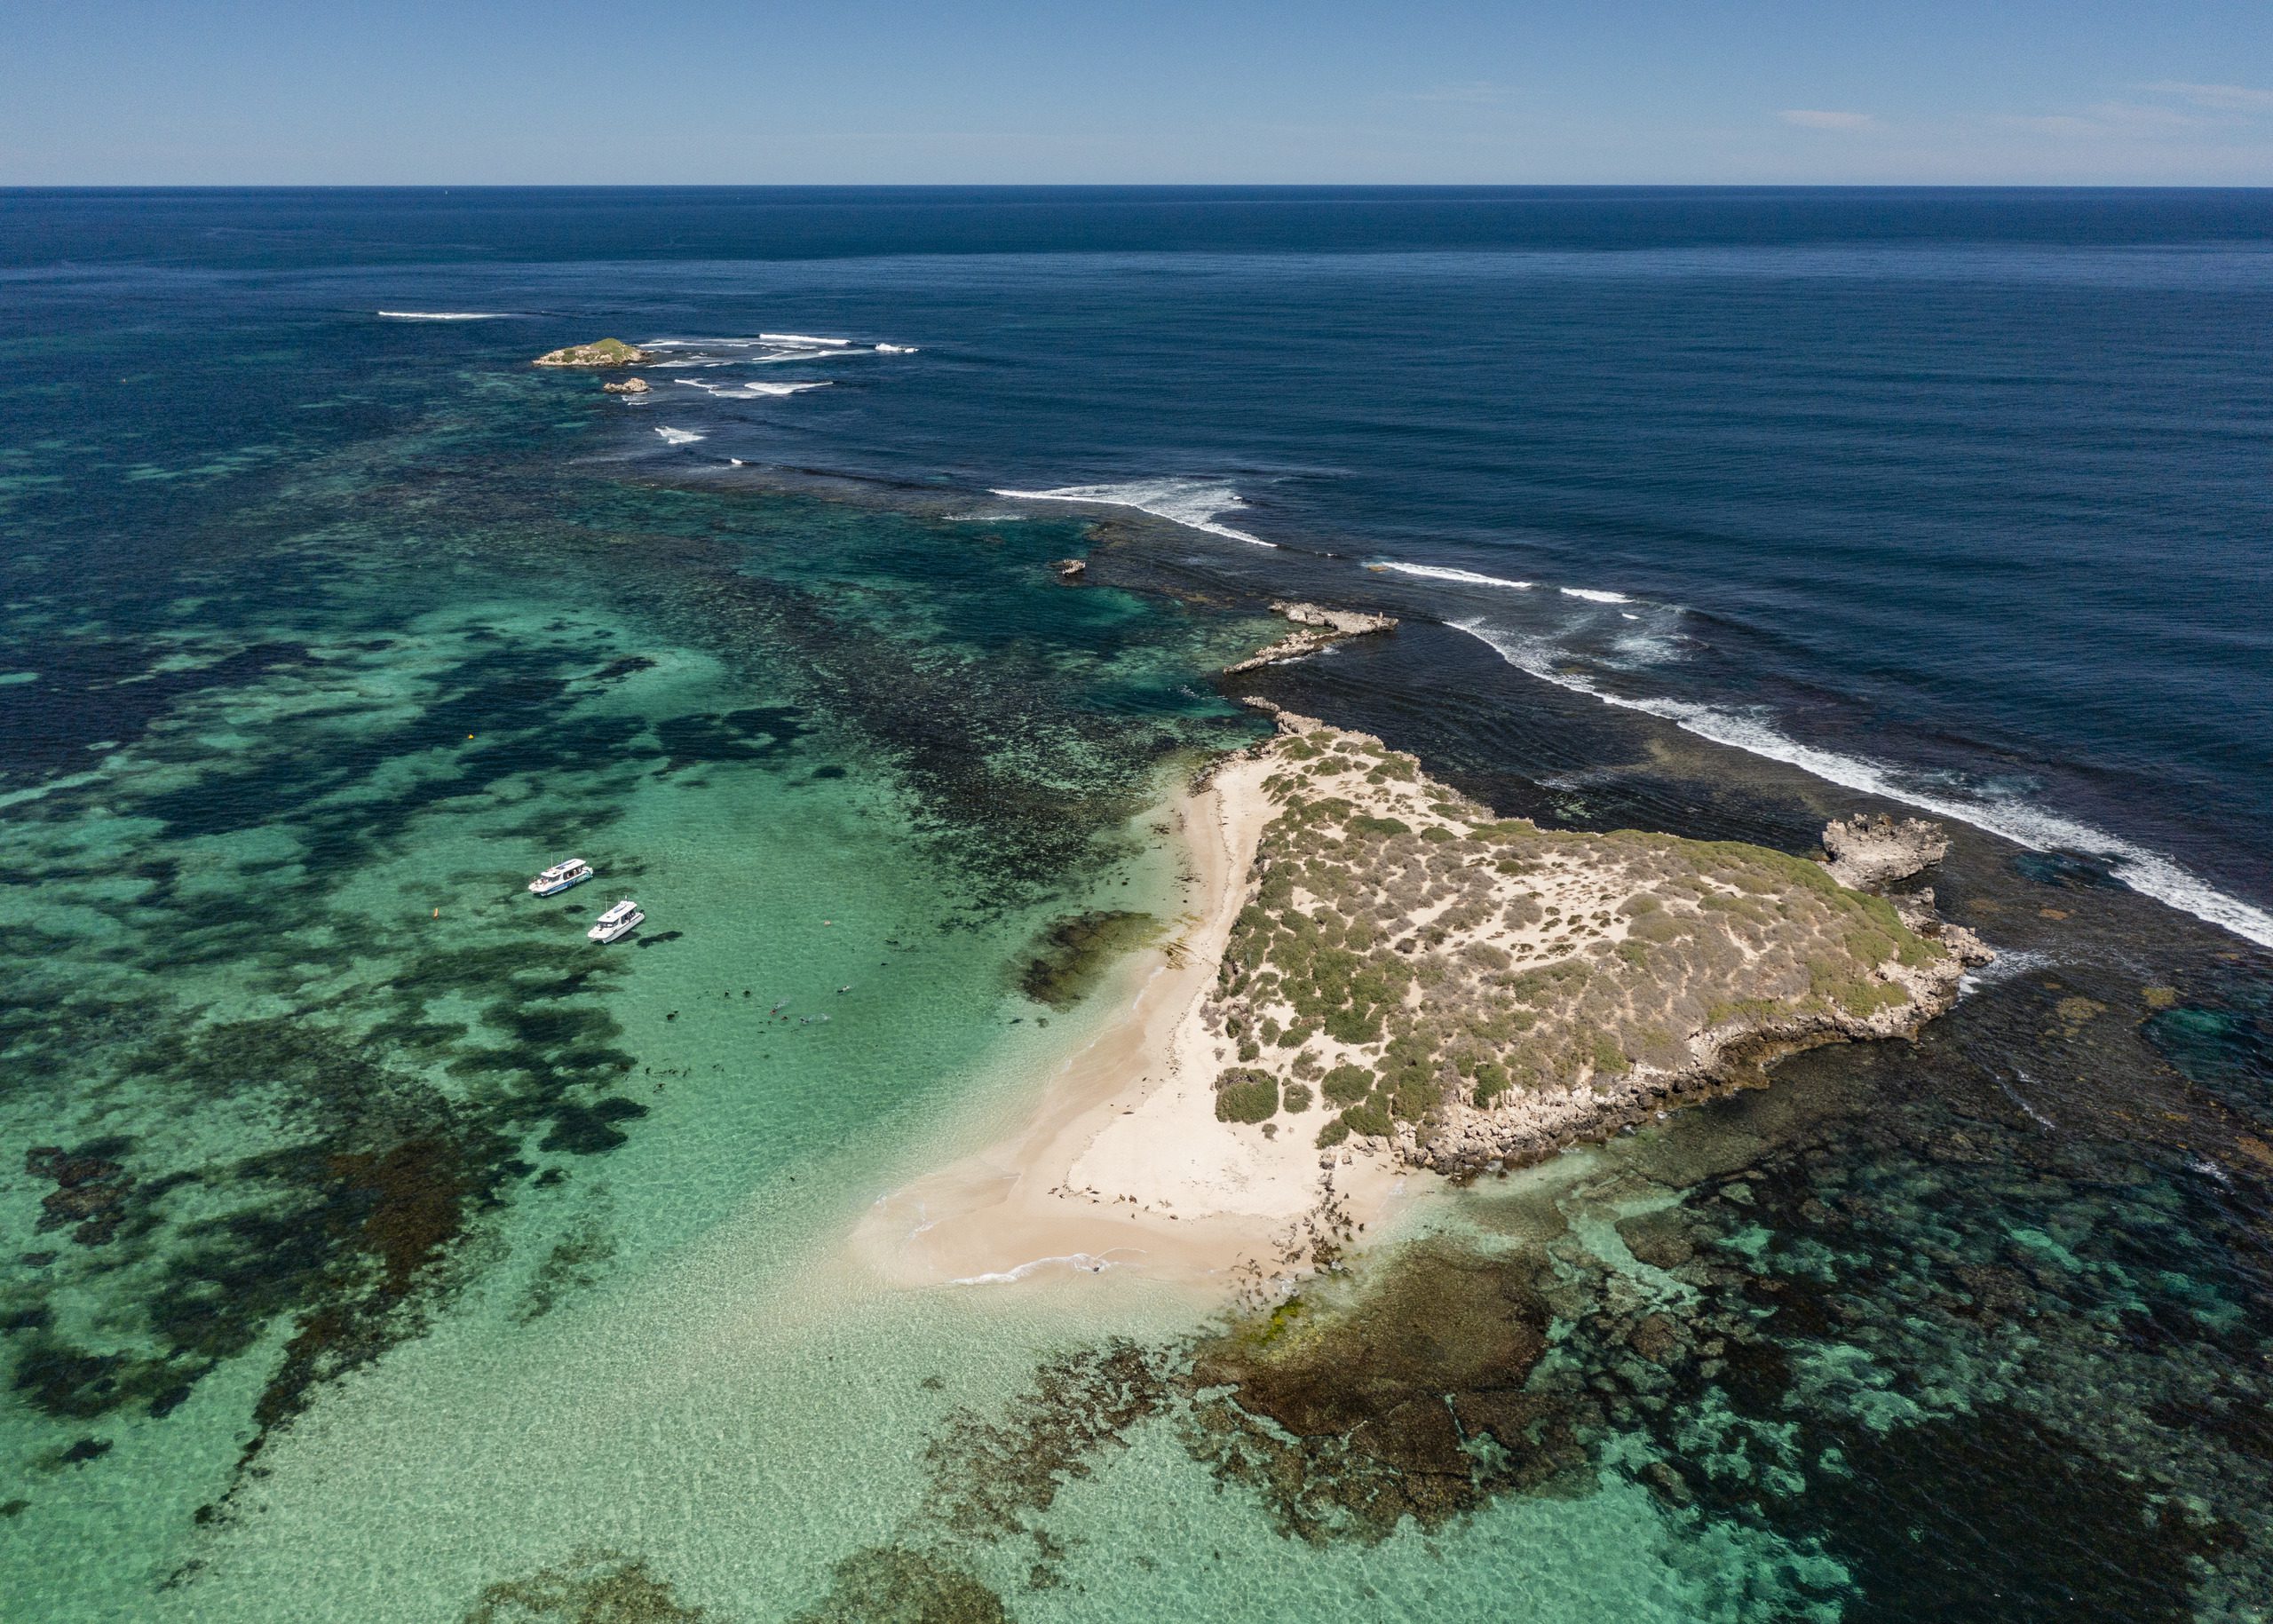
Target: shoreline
x=1123, y=1163
x=1679, y=964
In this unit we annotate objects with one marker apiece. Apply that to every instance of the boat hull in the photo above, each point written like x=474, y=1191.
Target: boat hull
x=604, y=934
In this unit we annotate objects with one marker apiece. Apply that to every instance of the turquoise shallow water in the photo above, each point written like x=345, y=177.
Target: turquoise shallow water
x=374, y=1242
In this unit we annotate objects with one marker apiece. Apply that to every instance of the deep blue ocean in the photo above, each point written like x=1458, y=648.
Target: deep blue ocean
x=1958, y=495
x=373, y=1247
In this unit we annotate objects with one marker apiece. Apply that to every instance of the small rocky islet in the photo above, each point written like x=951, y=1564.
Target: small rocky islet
x=598, y=352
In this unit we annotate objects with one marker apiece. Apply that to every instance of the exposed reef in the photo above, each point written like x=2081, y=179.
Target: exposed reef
x=1316, y=628
x=599, y=352
x=1474, y=991
x=623, y=386
x=1874, y=849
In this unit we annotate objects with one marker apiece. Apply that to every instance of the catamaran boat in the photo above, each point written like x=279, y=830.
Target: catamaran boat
x=618, y=921
x=560, y=876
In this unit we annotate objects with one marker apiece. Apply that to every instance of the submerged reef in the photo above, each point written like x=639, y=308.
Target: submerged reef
x=1928, y=1357
x=1074, y=953
x=589, y=1587
x=885, y=1585
x=1477, y=990
x=1347, y=1419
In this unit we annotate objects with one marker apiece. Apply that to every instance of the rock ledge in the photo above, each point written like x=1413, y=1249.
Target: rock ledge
x=1874, y=849
x=1318, y=627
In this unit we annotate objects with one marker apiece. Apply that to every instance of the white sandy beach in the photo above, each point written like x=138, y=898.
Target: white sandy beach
x=1124, y=1164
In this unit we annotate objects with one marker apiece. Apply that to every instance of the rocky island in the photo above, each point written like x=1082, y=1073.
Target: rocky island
x=1379, y=975
x=1410, y=969
x=599, y=352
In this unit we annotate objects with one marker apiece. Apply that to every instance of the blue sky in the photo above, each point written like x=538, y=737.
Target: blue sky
x=407, y=92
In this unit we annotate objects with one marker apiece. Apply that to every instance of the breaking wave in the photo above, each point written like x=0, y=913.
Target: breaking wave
x=1468, y=577
x=745, y=391
x=1193, y=503
x=442, y=315
x=678, y=437
x=2148, y=873
x=1594, y=596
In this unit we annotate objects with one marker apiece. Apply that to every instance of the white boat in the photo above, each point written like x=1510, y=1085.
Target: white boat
x=560, y=876
x=618, y=921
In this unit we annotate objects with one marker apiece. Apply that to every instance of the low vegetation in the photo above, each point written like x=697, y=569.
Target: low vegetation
x=1410, y=952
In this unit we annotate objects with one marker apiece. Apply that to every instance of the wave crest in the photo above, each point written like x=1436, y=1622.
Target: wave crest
x=1466, y=577
x=1193, y=503
x=2035, y=828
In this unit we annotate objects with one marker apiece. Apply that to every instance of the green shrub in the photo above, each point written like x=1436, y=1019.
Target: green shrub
x=1346, y=1085
x=1296, y=1099
x=1245, y=1097
x=1609, y=1058
x=1415, y=1097
x=1332, y=1134
x=1367, y=1118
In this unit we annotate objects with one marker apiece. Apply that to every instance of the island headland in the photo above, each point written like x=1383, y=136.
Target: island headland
x=1382, y=978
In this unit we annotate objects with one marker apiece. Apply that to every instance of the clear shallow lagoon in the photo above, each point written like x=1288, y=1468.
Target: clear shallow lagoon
x=399, y=1243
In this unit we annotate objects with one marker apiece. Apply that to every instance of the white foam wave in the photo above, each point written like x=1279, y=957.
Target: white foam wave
x=678, y=437
x=1003, y=1276
x=2034, y=1115
x=1467, y=577
x=1645, y=647
x=2010, y=962
x=442, y=315
x=805, y=339
x=1593, y=596
x=1193, y=503
x=895, y=348
x=746, y=390
x=2035, y=828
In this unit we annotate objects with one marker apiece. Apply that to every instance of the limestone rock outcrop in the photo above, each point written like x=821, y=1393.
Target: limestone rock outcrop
x=599, y=352
x=1316, y=628
x=1873, y=849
